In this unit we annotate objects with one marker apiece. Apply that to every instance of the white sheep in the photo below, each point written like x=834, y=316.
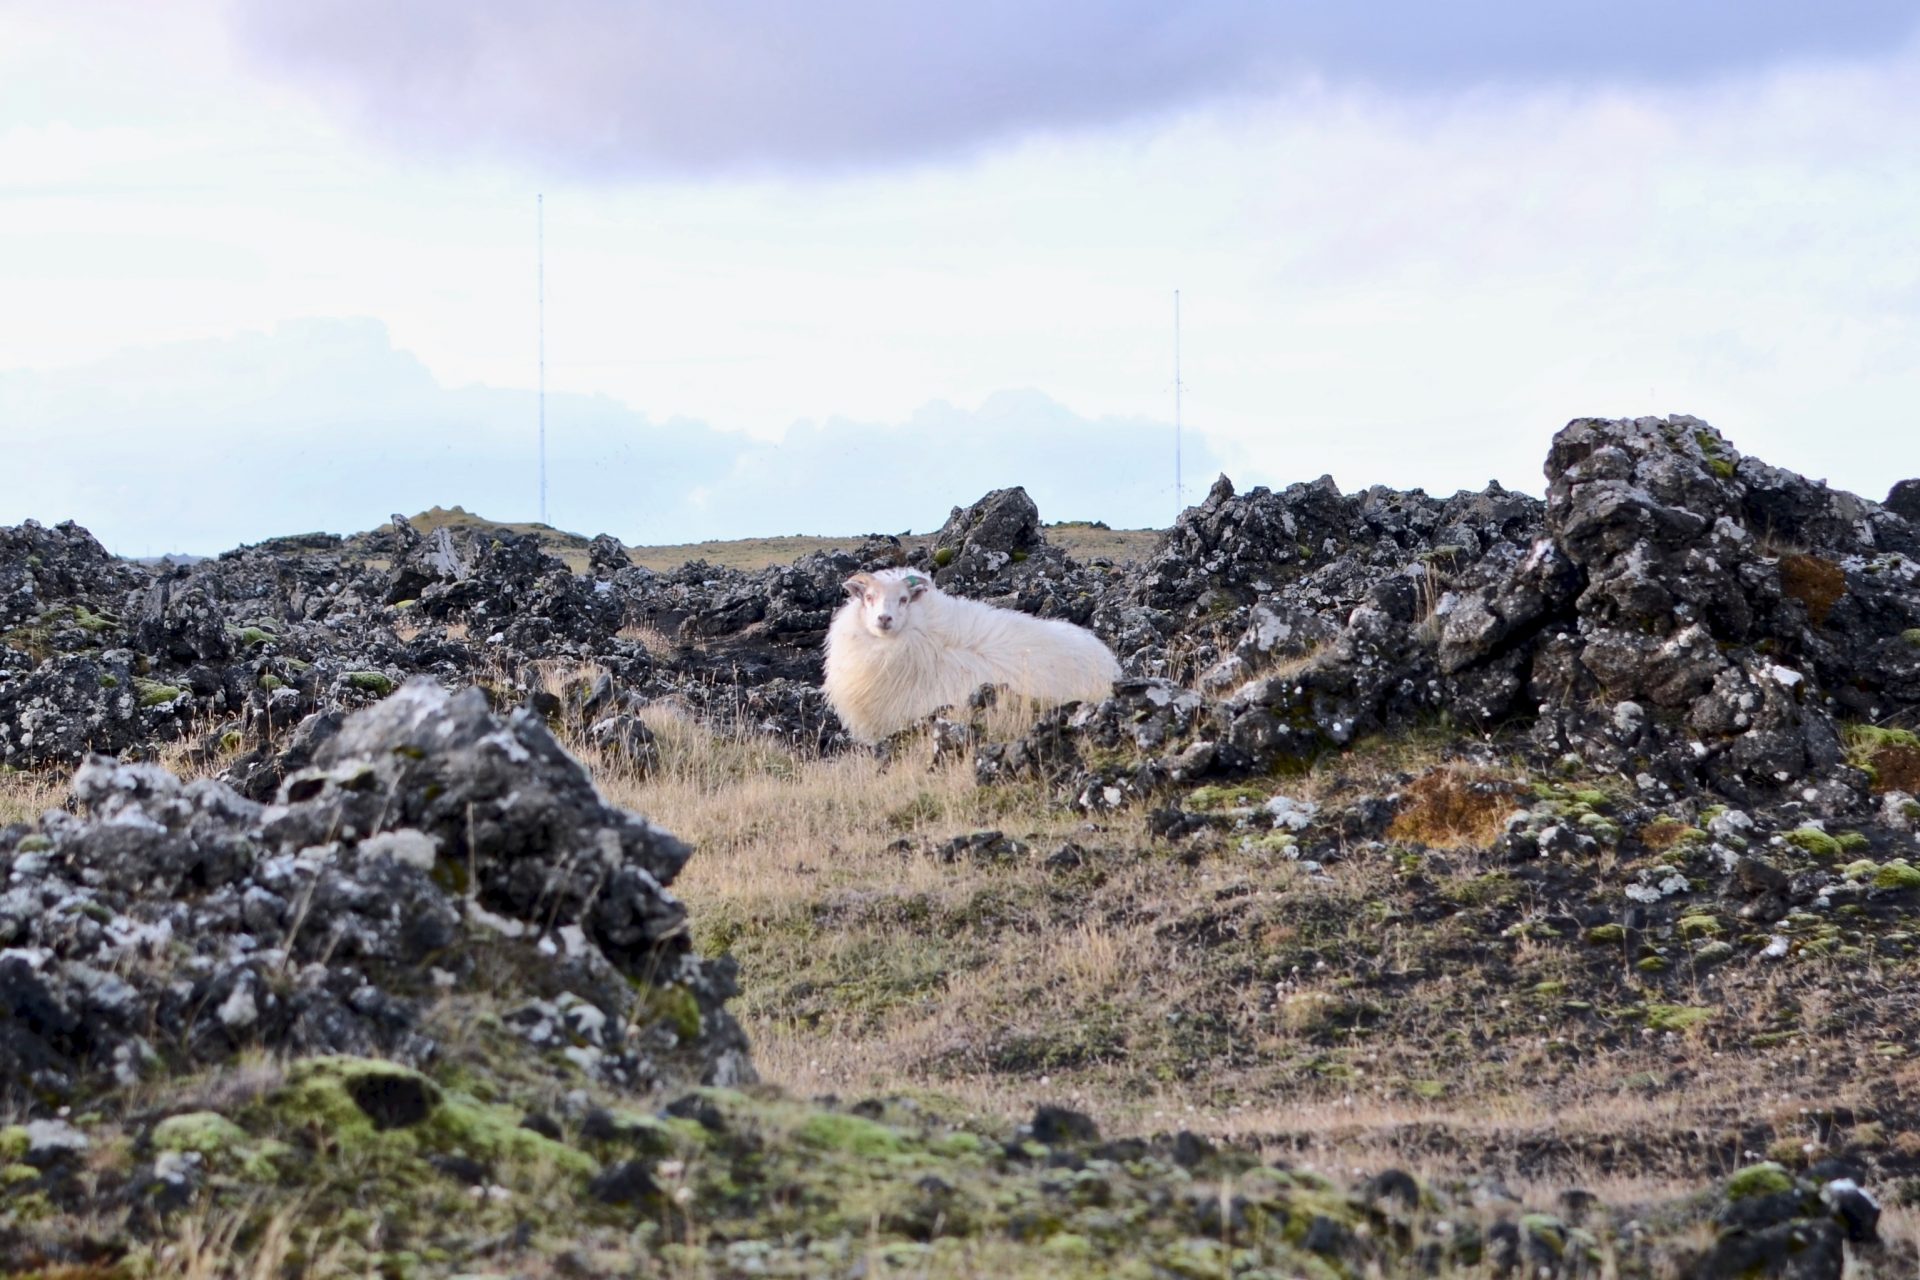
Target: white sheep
x=900, y=648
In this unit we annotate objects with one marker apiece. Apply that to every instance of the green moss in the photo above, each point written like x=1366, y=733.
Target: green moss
x=1897, y=874
x=1431, y=1090
x=1912, y=637
x=1676, y=1017
x=855, y=1135
x=1700, y=926
x=109, y=681
x=1607, y=934
x=318, y=1101
x=1814, y=841
x=1713, y=953
x=14, y=1142
x=373, y=682
x=251, y=636
x=13, y=1175
x=958, y=1144
x=152, y=693
x=943, y=557
x=1652, y=964
x=1766, y=1179
x=1207, y=799
x=1852, y=841
x=494, y=1133
x=676, y=1006
x=35, y=843
x=207, y=1132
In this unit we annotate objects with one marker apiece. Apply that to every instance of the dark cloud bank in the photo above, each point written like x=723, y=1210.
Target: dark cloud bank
x=618, y=88
x=323, y=425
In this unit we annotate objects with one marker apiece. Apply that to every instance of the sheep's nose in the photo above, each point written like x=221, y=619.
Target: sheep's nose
x=885, y=620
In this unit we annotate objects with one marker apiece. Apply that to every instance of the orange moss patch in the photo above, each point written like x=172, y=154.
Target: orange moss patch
x=1454, y=808
x=1663, y=833
x=1814, y=582
x=1897, y=768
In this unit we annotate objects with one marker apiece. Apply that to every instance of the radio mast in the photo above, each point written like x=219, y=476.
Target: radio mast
x=1179, y=489
x=540, y=233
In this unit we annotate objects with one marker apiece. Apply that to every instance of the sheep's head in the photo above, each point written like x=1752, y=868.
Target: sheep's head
x=886, y=600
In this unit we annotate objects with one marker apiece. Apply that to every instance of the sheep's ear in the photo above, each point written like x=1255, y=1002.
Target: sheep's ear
x=856, y=586
x=916, y=586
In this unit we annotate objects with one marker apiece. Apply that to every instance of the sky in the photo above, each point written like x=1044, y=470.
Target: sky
x=839, y=267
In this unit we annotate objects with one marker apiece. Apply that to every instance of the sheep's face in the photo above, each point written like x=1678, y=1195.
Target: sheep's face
x=886, y=603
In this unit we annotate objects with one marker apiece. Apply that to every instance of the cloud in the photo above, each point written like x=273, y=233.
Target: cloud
x=621, y=88
x=323, y=424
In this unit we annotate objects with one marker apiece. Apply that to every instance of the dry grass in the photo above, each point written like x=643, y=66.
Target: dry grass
x=1083, y=542
x=1814, y=582
x=24, y=796
x=653, y=639
x=1455, y=807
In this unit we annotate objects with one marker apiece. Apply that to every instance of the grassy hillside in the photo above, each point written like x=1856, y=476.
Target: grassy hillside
x=1079, y=539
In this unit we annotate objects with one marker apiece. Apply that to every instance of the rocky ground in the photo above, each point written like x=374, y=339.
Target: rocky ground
x=1464, y=885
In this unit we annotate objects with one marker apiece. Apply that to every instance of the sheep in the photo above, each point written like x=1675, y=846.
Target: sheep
x=900, y=648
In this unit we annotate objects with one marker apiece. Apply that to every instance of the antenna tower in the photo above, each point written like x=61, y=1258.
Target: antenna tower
x=540, y=233
x=1179, y=489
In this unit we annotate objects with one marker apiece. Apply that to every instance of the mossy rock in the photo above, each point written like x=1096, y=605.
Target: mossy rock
x=14, y=1175
x=1898, y=874
x=1716, y=952
x=367, y=1104
x=1912, y=637
x=1765, y=1179
x=207, y=1132
x=1607, y=934
x=1814, y=841
x=14, y=1142
x=1652, y=964
x=152, y=693
x=374, y=682
x=1701, y=926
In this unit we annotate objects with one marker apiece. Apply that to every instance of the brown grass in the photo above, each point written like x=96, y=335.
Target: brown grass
x=25, y=795
x=1663, y=833
x=1454, y=807
x=1814, y=582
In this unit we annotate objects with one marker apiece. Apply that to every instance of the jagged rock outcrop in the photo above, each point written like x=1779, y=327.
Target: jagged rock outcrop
x=429, y=844
x=1673, y=608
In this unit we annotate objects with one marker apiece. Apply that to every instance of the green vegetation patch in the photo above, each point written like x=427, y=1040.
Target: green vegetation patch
x=1890, y=757
x=1764, y=1179
x=1217, y=798
x=1897, y=874
x=374, y=682
x=1814, y=841
x=152, y=693
x=1676, y=1017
